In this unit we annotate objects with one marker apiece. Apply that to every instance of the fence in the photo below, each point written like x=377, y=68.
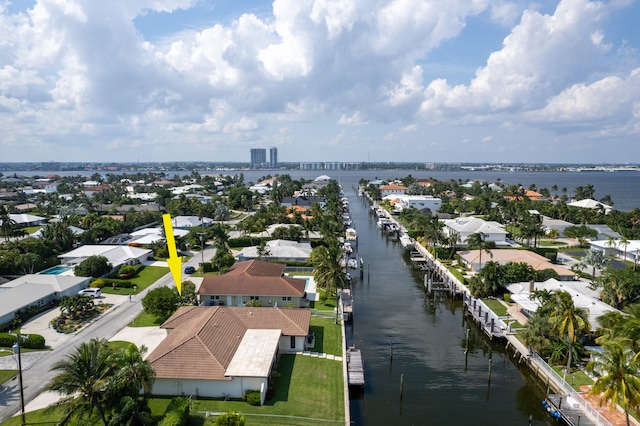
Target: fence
x=299, y=269
x=568, y=389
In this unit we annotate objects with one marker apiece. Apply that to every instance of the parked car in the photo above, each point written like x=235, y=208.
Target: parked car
x=93, y=292
x=189, y=270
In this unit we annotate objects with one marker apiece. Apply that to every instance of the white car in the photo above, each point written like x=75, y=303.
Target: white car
x=93, y=292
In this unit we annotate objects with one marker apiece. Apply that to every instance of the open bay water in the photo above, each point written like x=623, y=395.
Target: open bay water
x=623, y=187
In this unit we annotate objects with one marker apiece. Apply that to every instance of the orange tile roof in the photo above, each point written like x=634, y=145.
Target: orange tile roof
x=204, y=339
x=253, y=278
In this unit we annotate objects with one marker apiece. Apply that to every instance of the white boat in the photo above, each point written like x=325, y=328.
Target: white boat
x=406, y=241
x=352, y=263
x=383, y=221
x=351, y=234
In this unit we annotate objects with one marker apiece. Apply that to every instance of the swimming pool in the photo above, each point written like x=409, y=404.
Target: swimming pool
x=56, y=270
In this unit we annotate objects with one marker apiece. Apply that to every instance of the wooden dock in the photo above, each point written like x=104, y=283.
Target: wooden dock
x=355, y=367
x=345, y=303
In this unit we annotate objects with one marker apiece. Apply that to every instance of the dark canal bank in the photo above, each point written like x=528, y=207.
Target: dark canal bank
x=426, y=334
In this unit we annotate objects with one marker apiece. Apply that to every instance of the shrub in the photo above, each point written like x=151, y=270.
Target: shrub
x=323, y=297
x=230, y=419
x=177, y=413
x=33, y=341
x=507, y=297
x=252, y=397
x=207, y=267
x=97, y=283
x=126, y=271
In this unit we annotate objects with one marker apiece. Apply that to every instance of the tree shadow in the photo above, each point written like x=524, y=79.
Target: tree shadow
x=319, y=338
x=282, y=383
x=8, y=393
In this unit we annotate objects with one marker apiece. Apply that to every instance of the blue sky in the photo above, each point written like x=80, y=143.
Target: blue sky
x=322, y=80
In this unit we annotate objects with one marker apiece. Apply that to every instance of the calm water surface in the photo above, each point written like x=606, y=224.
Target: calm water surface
x=441, y=385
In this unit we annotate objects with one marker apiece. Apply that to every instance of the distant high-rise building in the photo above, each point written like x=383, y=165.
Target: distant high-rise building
x=258, y=157
x=273, y=157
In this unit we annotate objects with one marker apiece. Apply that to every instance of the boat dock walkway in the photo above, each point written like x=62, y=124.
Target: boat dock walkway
x=355, y=367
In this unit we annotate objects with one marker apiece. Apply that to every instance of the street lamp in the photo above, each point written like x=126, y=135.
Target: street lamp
x=16, y=351
x=202, y=247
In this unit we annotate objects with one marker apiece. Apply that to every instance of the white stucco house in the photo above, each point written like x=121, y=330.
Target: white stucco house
x=465, y=226
x=117, y=255
x=217, y=350
x=278, y=250
x=36, y=290
x=419, y=202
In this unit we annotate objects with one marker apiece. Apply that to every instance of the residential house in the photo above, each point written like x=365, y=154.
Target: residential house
x=213, y=351
x=185, y=222
x=466, y=226
x=588, y=203
x=629, y=251
x=278, y=250
x=581, y=293
x=25, y=220
x=36, y=290
x=420, y=202
x=303, y=201
x=472, y=259
x=392, y=189
x=256, y=280
x=116, y=255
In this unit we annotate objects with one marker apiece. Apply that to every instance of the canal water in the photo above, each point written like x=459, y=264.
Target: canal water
x=413, y=345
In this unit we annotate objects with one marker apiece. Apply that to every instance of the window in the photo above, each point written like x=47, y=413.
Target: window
x=286, y=298
x=215, y=297
x=254, y=297
x=293, y=342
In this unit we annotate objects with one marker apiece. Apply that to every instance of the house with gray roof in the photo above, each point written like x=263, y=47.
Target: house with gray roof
x=116, y=255
x=36, y=290
x=278, y=250
x=466, y=226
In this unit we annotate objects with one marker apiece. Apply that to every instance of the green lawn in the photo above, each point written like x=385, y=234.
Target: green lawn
x=328, y=335
x=496, y=306
x=310, y=389
x=7, y=374
x=146, y=276
x=146, y=320
x=576, y=379
x=328, y=305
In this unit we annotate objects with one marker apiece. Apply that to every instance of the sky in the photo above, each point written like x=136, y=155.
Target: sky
x=494, y=81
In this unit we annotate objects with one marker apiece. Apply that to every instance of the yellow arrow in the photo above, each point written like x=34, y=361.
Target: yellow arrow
x=175, y=262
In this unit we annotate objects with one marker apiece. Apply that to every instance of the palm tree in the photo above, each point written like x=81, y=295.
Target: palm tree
x=618, y=382
x=477, y=240
x=134, y=372
x=84, y=377
x=329, y=273
x=568, y=320
x=624, y=241
x=594, y=258
x=6, y=223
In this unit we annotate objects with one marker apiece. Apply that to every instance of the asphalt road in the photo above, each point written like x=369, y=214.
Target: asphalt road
x=37, y=375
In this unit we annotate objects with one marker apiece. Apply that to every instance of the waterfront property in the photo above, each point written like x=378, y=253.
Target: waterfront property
x=216, y=351
x=253, y=280
x=278, y=250
x=466, y=226
x=471, y=259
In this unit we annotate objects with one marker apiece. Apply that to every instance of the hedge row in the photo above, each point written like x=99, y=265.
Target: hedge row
x=32, y=341
x=177, y=413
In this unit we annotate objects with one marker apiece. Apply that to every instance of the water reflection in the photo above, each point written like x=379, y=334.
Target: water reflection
x=416, y=343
